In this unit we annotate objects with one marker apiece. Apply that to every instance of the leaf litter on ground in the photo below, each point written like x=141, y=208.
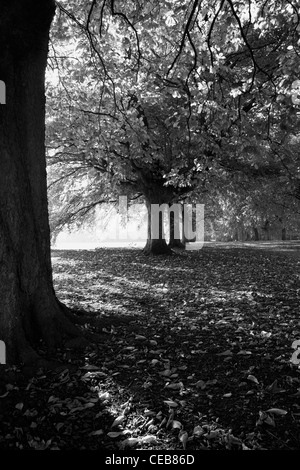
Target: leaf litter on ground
x=204, y=363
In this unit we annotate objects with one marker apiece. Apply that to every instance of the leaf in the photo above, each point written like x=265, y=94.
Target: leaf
x=154, y=362
x=140, y=338
x=212, y=434
x=211, y=382
x=166, y=373
x=225, y=353
x=232, y=441
x=200, y=384
x=227, y=395
x=176, y=424
x=149, y=413
x=175, y=386
x=59, y=426
x=113, y=435
x=171, y=403
x=198, y=431
x=118, y=421
x=183, y=437
x=19, y=406
x=97, y=433
x=277, y=411
x=244, y=353
x=296, y=344
x=273, y=388
x=265, y=418
x=149, y=439
x=295, y=359
x=252, y=378
x=130, y=442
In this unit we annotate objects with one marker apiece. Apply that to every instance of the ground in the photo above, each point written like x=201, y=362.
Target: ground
x=194, y=354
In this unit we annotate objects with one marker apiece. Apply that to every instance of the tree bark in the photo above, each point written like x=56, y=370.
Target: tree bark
x=29, y=310
x=256, y=234
x=175, y=242
x=155, y=245
x=186, y=239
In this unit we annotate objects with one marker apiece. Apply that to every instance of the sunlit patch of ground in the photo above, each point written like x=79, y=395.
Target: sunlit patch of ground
x=216, y=316
x=198, y=342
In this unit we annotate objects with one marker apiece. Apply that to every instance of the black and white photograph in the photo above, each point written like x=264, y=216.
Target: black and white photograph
x=150, y=229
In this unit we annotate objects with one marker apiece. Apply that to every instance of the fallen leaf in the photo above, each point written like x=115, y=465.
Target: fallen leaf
x=149, y=439
x=118, y=421
x=198, y=431
x=113, y=435
x=296, y=344
x=295, y=359
x=183, y=437
x=154, y=362
x=273, y=388
x=165, y=373
x=200, y=384
x=176, y=424
x=252, y=378
x=277, y=411
x=97, y=433
x=171, y=403
x=130, y=442
x=225, y=353
x=175, y=386
x=264, y=417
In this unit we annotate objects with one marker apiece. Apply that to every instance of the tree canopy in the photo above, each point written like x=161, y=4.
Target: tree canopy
x=169, y=94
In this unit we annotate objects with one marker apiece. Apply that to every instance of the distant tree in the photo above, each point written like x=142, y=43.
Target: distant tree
x=153, y=107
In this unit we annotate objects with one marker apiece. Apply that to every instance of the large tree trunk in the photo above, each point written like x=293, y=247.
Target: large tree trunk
x=156, y=242
x=29, y=310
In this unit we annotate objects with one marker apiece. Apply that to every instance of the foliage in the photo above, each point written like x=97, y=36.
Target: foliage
x=180, y=91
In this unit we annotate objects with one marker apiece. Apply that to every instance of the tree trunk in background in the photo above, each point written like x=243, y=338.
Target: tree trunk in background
x=256, y=234
x=155, y=246
x=283, y=234
x=29, y=310
x=174, y=229
x=185, y=238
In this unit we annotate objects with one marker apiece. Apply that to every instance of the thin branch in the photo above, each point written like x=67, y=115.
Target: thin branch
x=127, y=20
x=65, y=176
x=185, y=34
x=211, y=30
x=98, y=113
x=255, y=64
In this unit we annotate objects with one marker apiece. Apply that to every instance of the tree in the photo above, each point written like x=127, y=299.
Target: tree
x=211, y=79
x=29, y=309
